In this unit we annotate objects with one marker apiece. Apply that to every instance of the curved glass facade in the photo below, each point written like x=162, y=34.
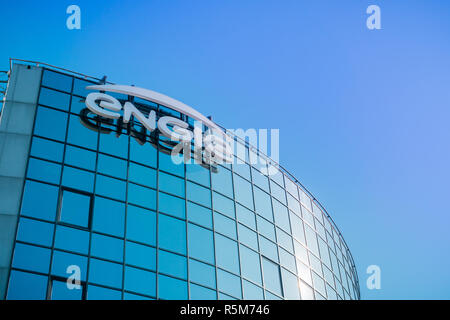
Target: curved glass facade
x=107, y=200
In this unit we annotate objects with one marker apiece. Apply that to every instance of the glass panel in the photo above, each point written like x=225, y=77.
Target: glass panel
x=252, y=292
x=55, y=99
x=141, y=225
x=224, y=225
x=297, y=228
x=202, y=273
x=311, y=240
x=31, y=258
x=72, y=239
x=142, y=175
x=285, y=240
x=172, y=264
x=172, y=289
x=198, y=194
x=304, y=272
x=199, y=215
x=80, y=158
x=250, y=264
x=79, y=135
x=290, y=285
x=171, y=184
x=145, y=154
x=47, y=149
x=79, y=87
x=278, y=192
x=306, y=291
x=201, y=293
x=166, y=163
x=243, y=191
x=57, y=81
x=109, y=216
x=27, y=286
x=319, y=284
x=115, y=145
x=263, y=205
x=271, y=276
x=78, y=179
x=44, y=171
x=287, y=260
x=75, y=208
x=197, y=173
x=60, y=291
x=229, y=283
x=245, y=216
x=221, y=181
x=99, y=293
x=200, y=243
x=35, y=232
x=242, y=169
x=268, y=248
x=260, y=180
x=142, y=196
x=266, y=228
x=140, y=256
x=50, y=123
x=105, y=273
x=77, y=104
x=223, y=205
x=112, y=166
x=172, y=205
x=113, y=188
x=172, y=234
x=227, y=253
x=62, y=261
x=106, y=247
x=248, y=237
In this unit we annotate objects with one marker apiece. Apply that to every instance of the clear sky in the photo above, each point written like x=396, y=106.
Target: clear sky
x=363, y=114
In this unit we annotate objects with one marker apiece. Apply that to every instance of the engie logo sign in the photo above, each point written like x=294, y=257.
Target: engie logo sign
x=212, y=146
x=206, y=147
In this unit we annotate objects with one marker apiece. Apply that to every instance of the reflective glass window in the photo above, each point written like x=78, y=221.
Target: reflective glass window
x=200, y=243
x=198, y=194
x=227, y=253
x=77, y=104
x=223, y=205
x=199, y=215
x=44, y=171
x=197, y=173
x=33, y=231
x=297, y=228
x=141, y=225
x=142, y=196
x=266, y=228
x=105, y=273
x=78, y=179
x=304, y=272
x=224, y=225
x=172, y=289
x=75, y=208
x=172, y=264
x=80, y=158
x=271, y=273
x=263, y=205
x=171, y=184
x=301, y=252
x=290, y=285
x=311, y=239
x=268, y=249
x=79, y=135
x=112, y=166
x=304, y=199
x=57, y=81
x=140, y=256
x=229, y=284
x=114, y=145
x=293, y=204
x=167, y=164
x=202, y=273
x=50, y=123
x=145, y=154
x=201, y=293
x=112, y=188
x=243, y=192
x=251, y=291
x=221, y=181
x=248, y=237
x=100, y=293
x=284, y=240
x=250, y=264
x=79, y=87
x=281, y=216
x=31, y=258
x=245, y=216
x=318, y=283
x=27, y=286
x=142, y=175
x=62, y=261
x=260, y=180
x=55, y=99
x=242, y=169
x=106, y=247
x=109, y=216
x=278, y=192
x=172, y=205
x=287, y=260
x=72, y=239
x=60, y=291
x=172, y=234
x=47, y=149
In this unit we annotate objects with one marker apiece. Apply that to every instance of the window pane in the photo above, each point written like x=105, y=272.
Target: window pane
x=99, y=293
x=166, y=163
x=80, y=158
x=107, y=247
x=112, y=166
x=245, y=216
x=57, y=81
x=202, y=273
x=172, y=289
x=278, y=192
x=243, y=192
x=297, y=228
x=47, y=149
x=221, y=181
x=248, y=237
x=242, y=169
x=271, y=276
x=290, y=285
x=60, y=291
x=142, y=175
x=172, y=234
x=75, y=208
x=252, y=292
x=72, y=239
x=55, y=99
x=200, y=243
x=79, y=135
x=79, y=87
x=172, y=264
x=223, y=205
x=306, y=291
x=250, y=265
x=105, y=273
x=109, y=216
x=172, y=205
x=141, y=225
x=140, y=256
x=224, y=225
x=227, y=254
x=281, y=216
x=266, y=228
x=35, y=232
x=199, y=215
x=113, y=144
x=78, y=179
x=110, y=187
x=171, y=184
x=229, y=283
x=142, y=196
x=197, y=173
x=263, y=205
x=31, y=258
x=201, y=293
x=50, y=123
x=140, y=281
x=260, y=180
x=198, y=194
x=145, y=154
x=62, y=261
x=268, y=248
x=27, y=286
x=44, y=171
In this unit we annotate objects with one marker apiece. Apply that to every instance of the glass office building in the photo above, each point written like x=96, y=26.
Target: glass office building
x=84, y=197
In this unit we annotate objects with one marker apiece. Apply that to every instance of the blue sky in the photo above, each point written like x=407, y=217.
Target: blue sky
x=363, y=115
